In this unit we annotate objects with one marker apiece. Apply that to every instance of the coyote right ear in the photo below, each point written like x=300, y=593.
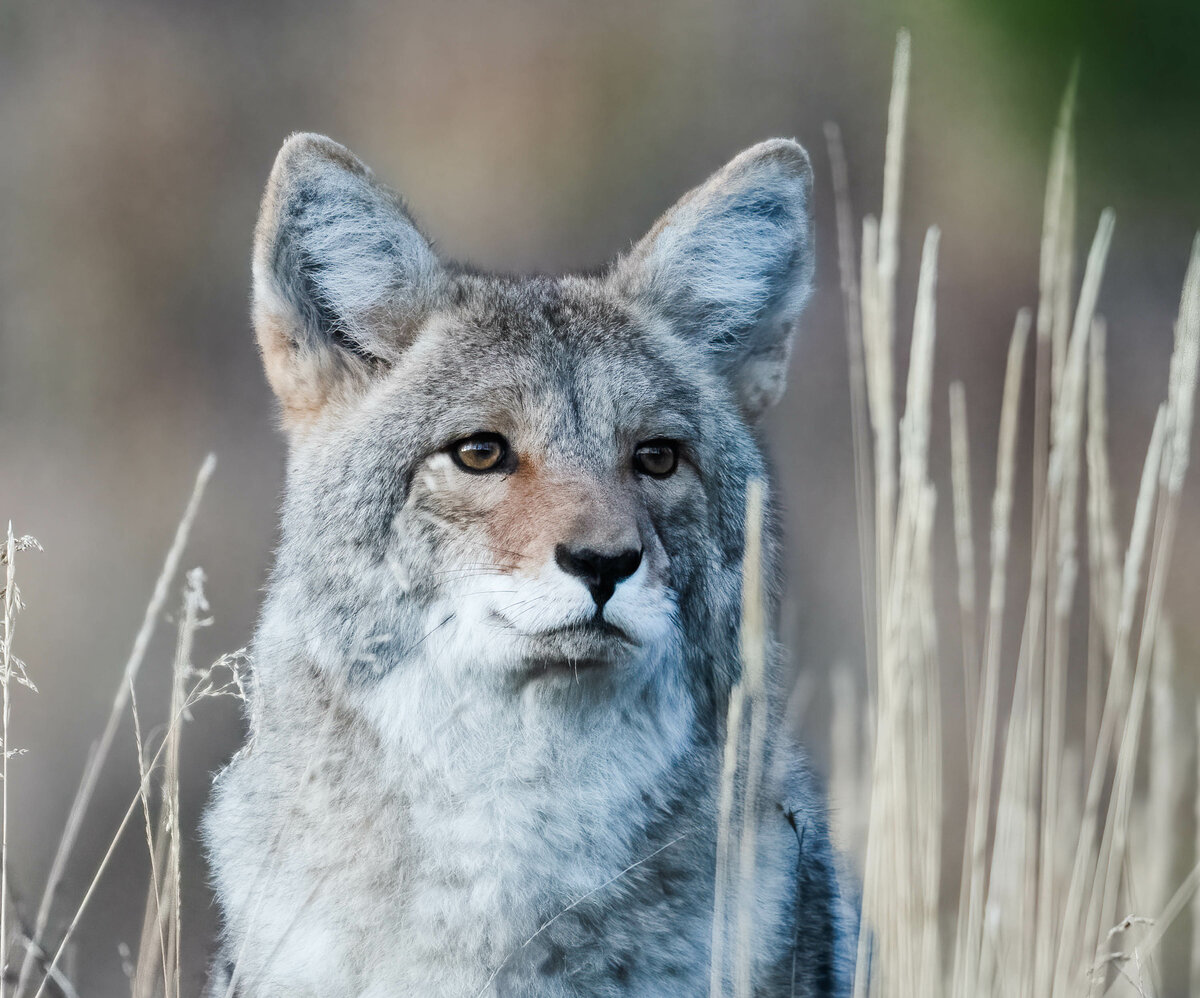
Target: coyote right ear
x=342, y=277
x=731, y=265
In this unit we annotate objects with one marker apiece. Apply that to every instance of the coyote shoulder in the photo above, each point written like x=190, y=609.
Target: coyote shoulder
x=494, y=659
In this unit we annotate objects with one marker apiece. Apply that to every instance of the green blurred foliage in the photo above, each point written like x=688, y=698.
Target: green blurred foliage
x=1139, y=81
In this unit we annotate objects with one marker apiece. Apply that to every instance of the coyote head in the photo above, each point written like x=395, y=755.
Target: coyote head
x=530, y=486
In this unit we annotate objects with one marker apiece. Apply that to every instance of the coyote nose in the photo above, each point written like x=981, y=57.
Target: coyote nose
x=599, y=570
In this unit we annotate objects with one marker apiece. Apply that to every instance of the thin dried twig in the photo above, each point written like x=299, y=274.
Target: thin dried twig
x=91, y=772
x=12, y=669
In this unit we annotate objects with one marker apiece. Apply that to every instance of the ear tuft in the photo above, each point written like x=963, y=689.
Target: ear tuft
x=730, y=266
x=342, y=276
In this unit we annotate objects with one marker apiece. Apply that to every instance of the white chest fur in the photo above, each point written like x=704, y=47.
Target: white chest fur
x=414, y=841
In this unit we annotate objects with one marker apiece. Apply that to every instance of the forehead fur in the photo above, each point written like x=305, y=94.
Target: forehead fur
x=523, y=345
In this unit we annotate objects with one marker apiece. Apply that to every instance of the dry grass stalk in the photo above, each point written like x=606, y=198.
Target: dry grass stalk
x=1156, y=927
x=158, y=961
x=1194, y=969
x=724, y=878
x=1176, y=448
x=969, y=939
x=1057, y=263
x=1038, y=897
x=204, y=685
x=1074, y=954
x=51, y=971
x=151, y=922
x=1103, y=547
x=880, y=260
x=1062, y=495
x=859, y=414
x=12, y=669
x=1167, y=779
x=746, y=725
x=99, y=753
x=902, y=872
x=964, y=547
x=753, y=653
x=1054, y=286
x=10, y=611
x=1150, y=867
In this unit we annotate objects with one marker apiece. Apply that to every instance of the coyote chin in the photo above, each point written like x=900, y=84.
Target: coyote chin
x=492, y=668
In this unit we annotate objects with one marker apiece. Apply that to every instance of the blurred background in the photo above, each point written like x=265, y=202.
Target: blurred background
x=134, y=141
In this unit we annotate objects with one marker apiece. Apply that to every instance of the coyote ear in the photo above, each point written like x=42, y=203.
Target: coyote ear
x=730, y=266
x=342, y=277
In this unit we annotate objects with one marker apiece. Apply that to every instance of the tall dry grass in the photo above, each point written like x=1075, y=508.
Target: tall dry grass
x=1052, y=901
x=44, y=950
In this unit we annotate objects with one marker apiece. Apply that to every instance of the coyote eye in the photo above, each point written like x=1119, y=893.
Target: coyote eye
x=656, y=458
x=481, y=452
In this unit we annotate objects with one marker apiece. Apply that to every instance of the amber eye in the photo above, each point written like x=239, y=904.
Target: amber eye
x=656, y=458
x=481, y=452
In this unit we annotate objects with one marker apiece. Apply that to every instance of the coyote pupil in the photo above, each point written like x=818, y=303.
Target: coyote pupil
x=493, y=663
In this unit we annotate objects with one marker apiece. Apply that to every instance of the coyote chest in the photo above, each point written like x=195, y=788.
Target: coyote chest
x=492, y=667
x=424, y=886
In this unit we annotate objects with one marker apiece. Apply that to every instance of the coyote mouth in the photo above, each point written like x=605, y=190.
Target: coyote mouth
x=565, y=667
x=596, y=629
x=573, y=650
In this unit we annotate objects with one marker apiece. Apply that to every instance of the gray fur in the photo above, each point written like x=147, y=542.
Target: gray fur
x=431, y=801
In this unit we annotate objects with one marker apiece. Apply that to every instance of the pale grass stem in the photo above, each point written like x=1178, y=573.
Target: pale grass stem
x=1038, y=897
x=969, y=939
x=203, y=687
x=724, y=875
x=10, y=609
x=860, y=417
x=1179, y=408
x=880, y=261
x=1194, y=967
x=162, y=930
x=99, y=753
x=1166, y=777
x=152, y=920
x=1104, y=557
x=1073, y=955
x=1062, y=495
x=753, y=654
x=10, y=558
x=964, y=547
x=747, y=720
x=12, y=669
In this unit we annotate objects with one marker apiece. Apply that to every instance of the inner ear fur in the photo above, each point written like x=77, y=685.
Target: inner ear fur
x=730, y=267
x=342, y=276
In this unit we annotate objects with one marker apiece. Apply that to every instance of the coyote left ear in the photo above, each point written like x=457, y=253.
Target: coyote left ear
x=342, y=277
x=730, y=267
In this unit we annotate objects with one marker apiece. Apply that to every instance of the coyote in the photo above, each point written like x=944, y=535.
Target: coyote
x=492, y=668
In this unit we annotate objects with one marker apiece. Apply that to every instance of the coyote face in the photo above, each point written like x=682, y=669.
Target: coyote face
x=538, y=480
x=502, y=626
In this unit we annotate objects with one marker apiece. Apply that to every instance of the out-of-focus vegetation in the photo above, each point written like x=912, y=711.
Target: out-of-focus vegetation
x=1140, y=87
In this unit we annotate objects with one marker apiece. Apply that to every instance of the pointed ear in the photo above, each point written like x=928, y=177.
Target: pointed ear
x=730, y=267
x=342, y=277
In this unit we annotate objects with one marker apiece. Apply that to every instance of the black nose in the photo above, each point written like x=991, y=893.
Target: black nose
x=600, y=570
